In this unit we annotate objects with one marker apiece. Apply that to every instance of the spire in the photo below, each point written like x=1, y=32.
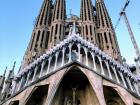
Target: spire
x=5, y=72
x=57, y=26
x=11, y=72
x=87, y=12
x=2, y=79
x=43, y=17
x=14, y=66
x=40, y=35
x=106, y=38
x=8, y=83
x=103, y=18
x=88, y=21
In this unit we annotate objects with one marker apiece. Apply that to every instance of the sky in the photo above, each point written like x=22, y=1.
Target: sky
x=17, y=18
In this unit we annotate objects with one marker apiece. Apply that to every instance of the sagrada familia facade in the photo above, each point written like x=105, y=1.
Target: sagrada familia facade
x=72, y=61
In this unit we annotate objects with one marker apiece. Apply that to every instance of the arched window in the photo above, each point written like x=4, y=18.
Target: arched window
x=105, y=38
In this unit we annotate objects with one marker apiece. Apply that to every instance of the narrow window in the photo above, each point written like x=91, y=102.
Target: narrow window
x=105, y=38
x=32, y=41
x=110, y=37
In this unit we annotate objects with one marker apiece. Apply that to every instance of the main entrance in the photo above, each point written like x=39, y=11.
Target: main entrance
x=75, y=89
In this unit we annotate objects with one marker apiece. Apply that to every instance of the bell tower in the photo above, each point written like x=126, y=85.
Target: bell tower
x=57, y=25
x=106, y=37
x=40, y=35
x=88, y=21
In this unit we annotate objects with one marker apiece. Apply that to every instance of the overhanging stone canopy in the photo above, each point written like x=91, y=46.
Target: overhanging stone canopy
x=101, y=63
x=75, y=38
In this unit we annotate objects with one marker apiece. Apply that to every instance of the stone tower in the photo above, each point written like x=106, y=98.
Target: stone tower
x=72, y=61
x=87, y=16
x=40, y=36
x=106, y=37
x=58, y=21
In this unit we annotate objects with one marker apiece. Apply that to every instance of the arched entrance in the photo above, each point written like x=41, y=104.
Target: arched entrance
x=75, y=89
x=14, y=103
x=136, y=104
x=38, y=95
x=112, y=97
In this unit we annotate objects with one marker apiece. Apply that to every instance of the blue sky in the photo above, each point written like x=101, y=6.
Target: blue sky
x=17, y=20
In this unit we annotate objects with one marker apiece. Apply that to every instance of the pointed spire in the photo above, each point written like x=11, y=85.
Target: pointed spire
x=40, y=35
x=2, y=79
x=43, y=17
x=59, y=12
x=57, y=26
x=88, y=21
x=87, y=12
x=103, y=18
x=14, y=66
x=106, y=38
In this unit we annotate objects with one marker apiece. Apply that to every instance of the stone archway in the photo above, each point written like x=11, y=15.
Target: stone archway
x=75, y=89
x=14, y=102
x=112, y=97
x=38, y=95
x=136, y=104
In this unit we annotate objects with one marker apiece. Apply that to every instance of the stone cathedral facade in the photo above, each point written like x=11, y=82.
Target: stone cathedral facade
x=72, y=61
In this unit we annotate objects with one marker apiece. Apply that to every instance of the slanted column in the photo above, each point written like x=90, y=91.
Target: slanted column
x=42, y=68
x=63, y=56
x=35, y=71
x=122, y=77
x=108, y=68
x=28, y=76
x=93, y=56
x=128, y=80
x=86, y=56
x=102, y=70
x=70, y=52
x=21, y=81
x=79, y=53
x=116, y=75
x=14, y=87
x=137, y=89
x=56, y=55
x=49, y=65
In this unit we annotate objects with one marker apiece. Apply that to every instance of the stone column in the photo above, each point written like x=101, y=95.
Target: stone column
x=28, y=76
x=49, y=65
x=137, y=89
x=63, y=56
x=70, y=53
x=128, y=80
x=21, y=81
x=93, y=56
x=35, y=71
x=122, y=77
x=116, y=75
x=56, y=55
x=14, y=87
x=108, y=68
x=102, y=70
x=86, y=56
x=42, y=68
x=79, y=53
